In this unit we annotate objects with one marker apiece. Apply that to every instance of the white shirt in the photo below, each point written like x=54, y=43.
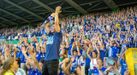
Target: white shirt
x=93, y=62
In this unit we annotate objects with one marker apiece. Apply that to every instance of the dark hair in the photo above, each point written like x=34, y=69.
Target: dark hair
x=42, y=61
x=95, y=52
x=60, y=25
x=75, y=51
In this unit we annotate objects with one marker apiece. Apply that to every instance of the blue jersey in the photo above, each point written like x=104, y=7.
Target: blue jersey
x=122, y=37
x=93, y=72
x=34, y=72
x=42, y=55
x=131, y=27
x=123, y=66
x=22, y=57
x=102, y=54
x=69, y=49
x=87, y=62
x=38, y=56
x=18, y=54
x=74, y=64
x=130, y=44
x=70, y=46
x=103, y=69
x=113, y=51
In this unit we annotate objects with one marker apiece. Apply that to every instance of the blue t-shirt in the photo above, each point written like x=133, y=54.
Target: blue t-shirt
x=70, y=46
x=34, y=72
x=42, y=55
x=38, y=56
x=113, y=51
x=22, y=57
x=122, y=36
x=53, y=45
x=131, y=27
x=17, y=54
x=102, y=54
x=69, y=49
x=103, y=69
x=130, y=44
x=95, y=71
x=87, y=62
x=123, y=66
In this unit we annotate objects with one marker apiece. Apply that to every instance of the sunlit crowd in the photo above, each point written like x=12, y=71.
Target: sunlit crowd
x=92, y=44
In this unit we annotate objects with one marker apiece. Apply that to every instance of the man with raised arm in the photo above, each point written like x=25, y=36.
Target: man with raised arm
x=54, y=37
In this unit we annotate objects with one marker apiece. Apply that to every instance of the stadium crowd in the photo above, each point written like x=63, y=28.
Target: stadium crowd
x=93, y=44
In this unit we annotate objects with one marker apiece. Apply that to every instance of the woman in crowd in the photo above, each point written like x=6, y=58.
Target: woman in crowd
x=10, y=67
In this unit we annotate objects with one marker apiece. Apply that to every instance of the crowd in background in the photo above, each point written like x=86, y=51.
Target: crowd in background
x=93, y=44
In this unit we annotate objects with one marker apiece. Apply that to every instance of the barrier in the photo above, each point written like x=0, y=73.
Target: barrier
x=131, y=59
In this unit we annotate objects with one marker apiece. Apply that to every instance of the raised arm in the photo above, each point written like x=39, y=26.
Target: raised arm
x=47, y=25
x=88, y=50
x=57, y=26
x=78, y=48
x=101, y=43
x=33, y=56
x=15, y=51
x=72, y=48
x=69, y=65
x=98, y=56
x=24, y=51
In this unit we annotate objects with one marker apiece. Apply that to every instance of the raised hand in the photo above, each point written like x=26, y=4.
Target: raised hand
x=15, y=49
x=58, y=9
x=90, y=45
